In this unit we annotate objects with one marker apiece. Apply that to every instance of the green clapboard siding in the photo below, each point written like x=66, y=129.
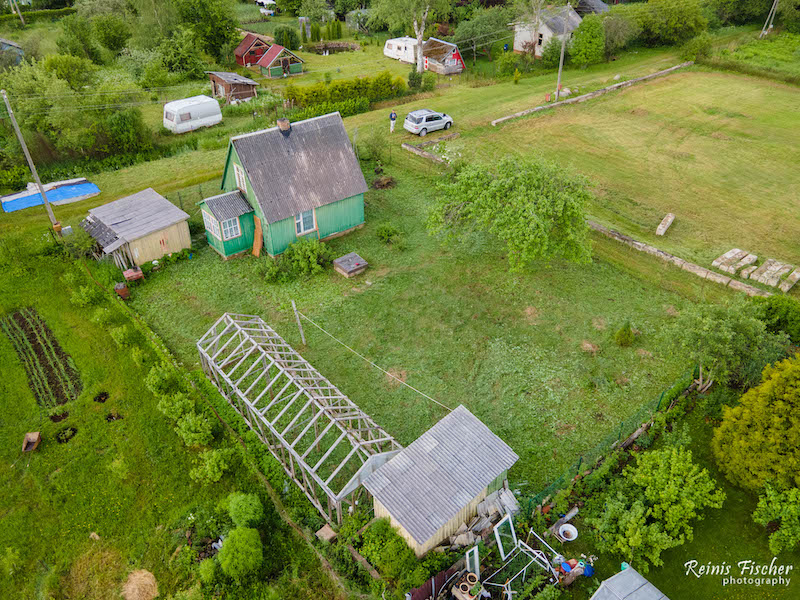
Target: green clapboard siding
x=331, y=219
x=497, y=483
x=244, y=241
x=275, y=72
x=296, y=68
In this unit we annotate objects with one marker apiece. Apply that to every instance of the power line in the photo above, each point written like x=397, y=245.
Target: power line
x=364, y=358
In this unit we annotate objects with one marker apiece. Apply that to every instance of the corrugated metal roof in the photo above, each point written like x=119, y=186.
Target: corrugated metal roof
x=138, y=215
x=561, y=20
x=228, y=205
x=99, y=231
x=311, y=166
x=585, y=7
x=426, y=485
x=628, y=585
x=231, y=77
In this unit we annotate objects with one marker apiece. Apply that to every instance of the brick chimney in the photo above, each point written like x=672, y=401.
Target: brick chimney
x=284, y=126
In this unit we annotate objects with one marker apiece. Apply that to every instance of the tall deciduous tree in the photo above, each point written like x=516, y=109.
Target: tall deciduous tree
x=536, y=208
x=416, y=13
x=482, y=30
x=758, y=440
x=653, y=506
x=673, y=21
x=316, y=10
x=620, y=30
x=588, y=42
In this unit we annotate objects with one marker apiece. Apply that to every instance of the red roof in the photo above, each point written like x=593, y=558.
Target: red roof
x=245, y=44
x=273, y=53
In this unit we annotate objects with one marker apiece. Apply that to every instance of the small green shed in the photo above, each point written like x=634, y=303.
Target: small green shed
x=295, y=180
x=279, y=61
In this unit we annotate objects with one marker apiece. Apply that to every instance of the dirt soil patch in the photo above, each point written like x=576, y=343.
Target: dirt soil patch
x=644, y=353
x=532, y=315
x=589, y=347
x=599, y=323
x=57, y=418
x=95, y=575
x=113, y=417
x=401, y=375
x=52, y=375
x=65, y=435
x=384, y=182
x=565, y=429
x=101, y=397
x=672, y=311
x=140, y=585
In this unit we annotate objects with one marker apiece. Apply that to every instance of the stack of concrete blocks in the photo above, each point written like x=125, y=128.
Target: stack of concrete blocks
x=771, y=272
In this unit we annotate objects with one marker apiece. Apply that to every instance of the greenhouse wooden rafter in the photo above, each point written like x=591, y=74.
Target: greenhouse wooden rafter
x=323, y=440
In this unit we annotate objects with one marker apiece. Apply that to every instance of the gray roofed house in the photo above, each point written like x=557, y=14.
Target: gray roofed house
x=628, y=584
x=587, y=7
x=228, y=205
x=138, y=228
x=561, y=20
x=434, y=485
x=302, y=179
x=555, y=23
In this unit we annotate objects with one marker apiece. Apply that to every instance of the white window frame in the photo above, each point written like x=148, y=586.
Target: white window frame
x=241, y=180
x=211, y=224
x=233, y=227
x=505, y=552
x=473, y=561
x=298, y=220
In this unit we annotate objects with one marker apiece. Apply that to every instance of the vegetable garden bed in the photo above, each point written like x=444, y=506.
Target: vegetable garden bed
x=52, y=375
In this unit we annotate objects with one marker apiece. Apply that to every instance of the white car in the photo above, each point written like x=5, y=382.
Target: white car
x=423, y=121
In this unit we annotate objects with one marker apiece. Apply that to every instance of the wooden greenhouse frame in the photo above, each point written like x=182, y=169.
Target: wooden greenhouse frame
x=323, y=440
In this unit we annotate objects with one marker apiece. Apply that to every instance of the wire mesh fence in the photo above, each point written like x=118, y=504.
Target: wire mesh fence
x=626, y=427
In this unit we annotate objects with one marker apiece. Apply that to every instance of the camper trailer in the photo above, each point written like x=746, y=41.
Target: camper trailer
x=193, y=113
x=403, y=49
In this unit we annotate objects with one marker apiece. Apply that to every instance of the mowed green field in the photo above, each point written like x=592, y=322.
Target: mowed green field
x=718, y=150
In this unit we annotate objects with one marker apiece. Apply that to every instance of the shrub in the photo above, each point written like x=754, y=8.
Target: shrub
x=783, y=508
x=551, y=53
x=245, y=510
x=588, y=43
x=517, y=76
x=241, y=554
x=102, y=316
x=716, y=400
x=124, y=335
x=208, y=571
x=625, y=336
x=211, y=466
x=175, y=406
x=414, y=79
x=506, y=64
x=163, y=379
x=86, y=295
x=428, y=81
x=307, y=256
x=194, y=429
x=698, y=47
x=387, y=233
x=780, y=313
x=757, y=440
x=346, y=108
x=287, y=37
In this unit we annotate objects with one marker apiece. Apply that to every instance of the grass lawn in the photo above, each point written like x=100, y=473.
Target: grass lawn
x=776, y=54
x=457, y=325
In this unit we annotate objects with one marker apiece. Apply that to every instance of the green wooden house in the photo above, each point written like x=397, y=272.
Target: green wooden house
x=279, y=62
x=295, y=180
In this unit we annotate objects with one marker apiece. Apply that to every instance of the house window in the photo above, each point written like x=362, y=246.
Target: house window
x=304, y=222
x=541, y=39
x=230, y=229
x=211, y=224
x=241, y=180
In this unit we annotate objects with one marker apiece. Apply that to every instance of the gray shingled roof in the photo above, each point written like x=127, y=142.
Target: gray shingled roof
x=554, y=19
x=10, y=43
x=232, y=77
x=426, y=484
x=586, y=7
x=228, y=205
x=311, y=166
x=628, y=585
x=131, y=218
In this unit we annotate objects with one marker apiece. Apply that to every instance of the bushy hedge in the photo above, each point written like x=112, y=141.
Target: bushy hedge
x=380, y=87
x=346, y=108
x=31, y=16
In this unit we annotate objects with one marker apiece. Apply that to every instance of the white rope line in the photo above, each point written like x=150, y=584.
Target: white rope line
x=372, y=363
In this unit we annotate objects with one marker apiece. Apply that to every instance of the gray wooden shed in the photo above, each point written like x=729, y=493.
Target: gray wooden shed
x=138, y=228
x=435, y=485
x=628, y=584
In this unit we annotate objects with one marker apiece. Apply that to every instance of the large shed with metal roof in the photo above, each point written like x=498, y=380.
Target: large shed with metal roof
x=295, y=180
x=138, y=228
x=434, y=486
x=232, y=86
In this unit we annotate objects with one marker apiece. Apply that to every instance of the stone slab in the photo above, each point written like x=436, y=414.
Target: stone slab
x=729, y=257
x=745, y=274
x=763, y=269
x=789, y=282
x=665, y=223
x=774, y=276
x=350, y=265
x=746, y=261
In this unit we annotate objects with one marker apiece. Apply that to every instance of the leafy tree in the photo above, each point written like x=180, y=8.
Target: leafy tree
x=780, y=313
x=782, y=508
x=175, y=406
x=414, y=79
x=287, y=37
x=588, y=42
x=127, y=132
x=111, y=31
x=242, y=553
x=76, y=71
x=290, y=6
x=673, y=21
x=92, y=8
x=653, y=506
x=211, y=466
x=76, y=39
x=620, y=30
x=758, y=440
x=697, y=47
x=728, y=341
x=551, y=53
x=194, y=429
x=179, y=54
x=738, y=12
x=533, y=206
x=245, y=510
x=481, y=31
x=315, y=10
x=213, y=22
x=342, y=7
x=399, y=14
x=789, y=12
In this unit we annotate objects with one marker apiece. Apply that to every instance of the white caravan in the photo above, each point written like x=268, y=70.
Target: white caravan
x=193, y=113
x=403, y=49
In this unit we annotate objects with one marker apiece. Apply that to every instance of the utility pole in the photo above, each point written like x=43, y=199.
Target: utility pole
x=56, y=224
x=770, y=18
x=14, y=6
x=563, y=47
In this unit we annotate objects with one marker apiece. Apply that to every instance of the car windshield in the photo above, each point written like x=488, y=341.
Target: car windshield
x=414, y=119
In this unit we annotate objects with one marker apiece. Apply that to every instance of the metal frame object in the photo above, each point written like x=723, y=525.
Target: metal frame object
x=325, y=443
